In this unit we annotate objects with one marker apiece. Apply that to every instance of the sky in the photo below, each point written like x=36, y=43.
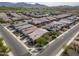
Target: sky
x=55, y=3
x=59, y=3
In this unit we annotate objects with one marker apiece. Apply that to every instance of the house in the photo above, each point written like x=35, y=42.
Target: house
x=54, y=25
x=78, y=18
x=39, y=21
x=37, y=33
x=4, y=17
x=66, y=21
x=15, y=15
x=72, y=17
x=55, y=13
x=23, y=16
x=63, y=15
x=16, y=18
x=37, y=15
x=28, y=30
x=19, y=24
x=23, y=27
x=51, y=18
x=33, y=32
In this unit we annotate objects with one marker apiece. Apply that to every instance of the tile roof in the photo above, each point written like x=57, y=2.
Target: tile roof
x=37, y=33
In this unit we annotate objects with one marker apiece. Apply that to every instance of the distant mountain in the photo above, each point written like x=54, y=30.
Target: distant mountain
x=66, y=7
x=22, y=4
x=36, y=5
x=6, y=4
x=62, y=6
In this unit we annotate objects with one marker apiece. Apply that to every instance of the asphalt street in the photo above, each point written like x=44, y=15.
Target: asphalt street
x=16, y=47
x=56, y=46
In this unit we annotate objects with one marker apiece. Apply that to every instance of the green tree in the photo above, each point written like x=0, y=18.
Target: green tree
x=1, y=43
x=3, y=49
x=41, y=41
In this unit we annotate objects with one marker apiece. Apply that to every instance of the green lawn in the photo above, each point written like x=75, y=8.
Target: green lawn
x=43, y=40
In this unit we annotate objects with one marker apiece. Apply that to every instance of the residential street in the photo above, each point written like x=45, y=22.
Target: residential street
x=16, y=47
x=56, y=46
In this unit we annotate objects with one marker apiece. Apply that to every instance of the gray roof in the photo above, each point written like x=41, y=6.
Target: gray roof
x=66, y=21
x=29, y=30
x=51, y=18
x=15, y=15
x=72, y=18
x=39, y=20
x=37, y=33
x=23, y=16
x=55, y=25
x=52, y=24
x=63, y=15
x=24, y=26
x=16, y=18
x=20, y=24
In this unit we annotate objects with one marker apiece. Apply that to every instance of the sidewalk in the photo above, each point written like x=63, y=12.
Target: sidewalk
x=62, y=50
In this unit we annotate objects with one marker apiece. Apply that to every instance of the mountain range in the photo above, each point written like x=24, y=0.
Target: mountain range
x=22, y=4
x=36, y=5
